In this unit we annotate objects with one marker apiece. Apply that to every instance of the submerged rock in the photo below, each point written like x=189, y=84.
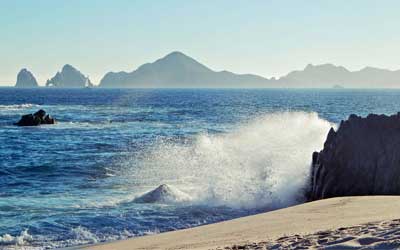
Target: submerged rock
x=25, y=79
x=40, y=117
x=164, y=194
x=361, y=158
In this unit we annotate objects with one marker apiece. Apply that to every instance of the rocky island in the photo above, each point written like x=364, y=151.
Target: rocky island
x=25, y=79
x=69, y=77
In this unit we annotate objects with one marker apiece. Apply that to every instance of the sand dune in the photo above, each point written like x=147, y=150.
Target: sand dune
x=337, y=223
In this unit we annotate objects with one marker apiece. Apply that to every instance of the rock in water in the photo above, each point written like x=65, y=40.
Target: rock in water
x=361, y=158
x=164, y=194
x=69, y=77
x=40, y=114
x=36, y=119
x=25, y=79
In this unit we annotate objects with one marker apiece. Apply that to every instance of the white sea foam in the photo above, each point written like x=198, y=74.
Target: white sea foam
x=263, y=163
x=84, y=236
x=19, y=240
x=164, y=194
x=17, y=106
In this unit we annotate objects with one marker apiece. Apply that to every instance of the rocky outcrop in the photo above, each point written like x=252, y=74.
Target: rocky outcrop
x=69, y=77
x=36, y=119
x=25, y=79
x=361, y=158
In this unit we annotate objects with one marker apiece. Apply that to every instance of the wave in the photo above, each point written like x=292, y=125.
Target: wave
x=22, y=239
x=82, y=235
x=18, y=106
x=164, y=194
x=264, y=163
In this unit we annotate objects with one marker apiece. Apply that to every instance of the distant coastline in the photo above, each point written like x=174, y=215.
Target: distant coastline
x=177, y=70
x=337, y=86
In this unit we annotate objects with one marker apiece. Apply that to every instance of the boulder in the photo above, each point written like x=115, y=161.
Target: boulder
x=361, y=158
x=35, y=119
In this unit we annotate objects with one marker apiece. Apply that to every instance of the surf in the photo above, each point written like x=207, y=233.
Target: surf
x=263, y=163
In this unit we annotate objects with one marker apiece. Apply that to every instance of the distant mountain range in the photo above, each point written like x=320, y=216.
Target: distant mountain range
x=177, y=70
x=329, y=75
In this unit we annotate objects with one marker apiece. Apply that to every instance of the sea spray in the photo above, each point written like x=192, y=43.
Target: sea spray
x=19, y=240
x=263, y=163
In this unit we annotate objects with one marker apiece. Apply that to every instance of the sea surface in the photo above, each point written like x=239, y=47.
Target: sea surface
x=233, y=152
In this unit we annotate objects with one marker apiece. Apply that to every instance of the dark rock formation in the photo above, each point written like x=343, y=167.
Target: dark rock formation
x=36, y=119
x=69, y=77
x=361, y=158
x=25, y=79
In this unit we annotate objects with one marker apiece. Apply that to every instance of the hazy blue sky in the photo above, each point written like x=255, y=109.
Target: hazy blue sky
x=268, y=38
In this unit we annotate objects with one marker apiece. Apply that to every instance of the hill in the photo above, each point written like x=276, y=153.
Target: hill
x=179, y=70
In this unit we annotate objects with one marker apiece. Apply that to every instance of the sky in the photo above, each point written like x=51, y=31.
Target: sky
x=268, y=38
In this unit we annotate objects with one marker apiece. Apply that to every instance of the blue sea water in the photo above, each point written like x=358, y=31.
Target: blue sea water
x=234, y=152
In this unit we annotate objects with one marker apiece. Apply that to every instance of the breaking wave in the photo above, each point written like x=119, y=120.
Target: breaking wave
x=20, y=240
x=264, y=163
x=18, y=106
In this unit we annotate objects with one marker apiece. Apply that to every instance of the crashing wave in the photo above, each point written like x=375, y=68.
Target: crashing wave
x=20, y=240
x=164, y=194
x=263, y=163
x=83, y=236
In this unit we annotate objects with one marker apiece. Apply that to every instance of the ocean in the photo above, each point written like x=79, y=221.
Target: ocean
x=233, y=152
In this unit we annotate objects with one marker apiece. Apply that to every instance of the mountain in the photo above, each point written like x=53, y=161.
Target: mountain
x=25, y=79
x=320, y=75
x=178, y=70
x=69, y=77
x=376, y=78
x=327, y=75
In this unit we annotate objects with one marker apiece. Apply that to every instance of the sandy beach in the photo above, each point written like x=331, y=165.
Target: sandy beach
x=337, y=223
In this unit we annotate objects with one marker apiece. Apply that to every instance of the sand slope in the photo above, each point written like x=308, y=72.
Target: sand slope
x=303, y=219
x=373, y=235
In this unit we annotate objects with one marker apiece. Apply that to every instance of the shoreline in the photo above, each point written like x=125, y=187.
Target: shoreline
x=304, y=219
